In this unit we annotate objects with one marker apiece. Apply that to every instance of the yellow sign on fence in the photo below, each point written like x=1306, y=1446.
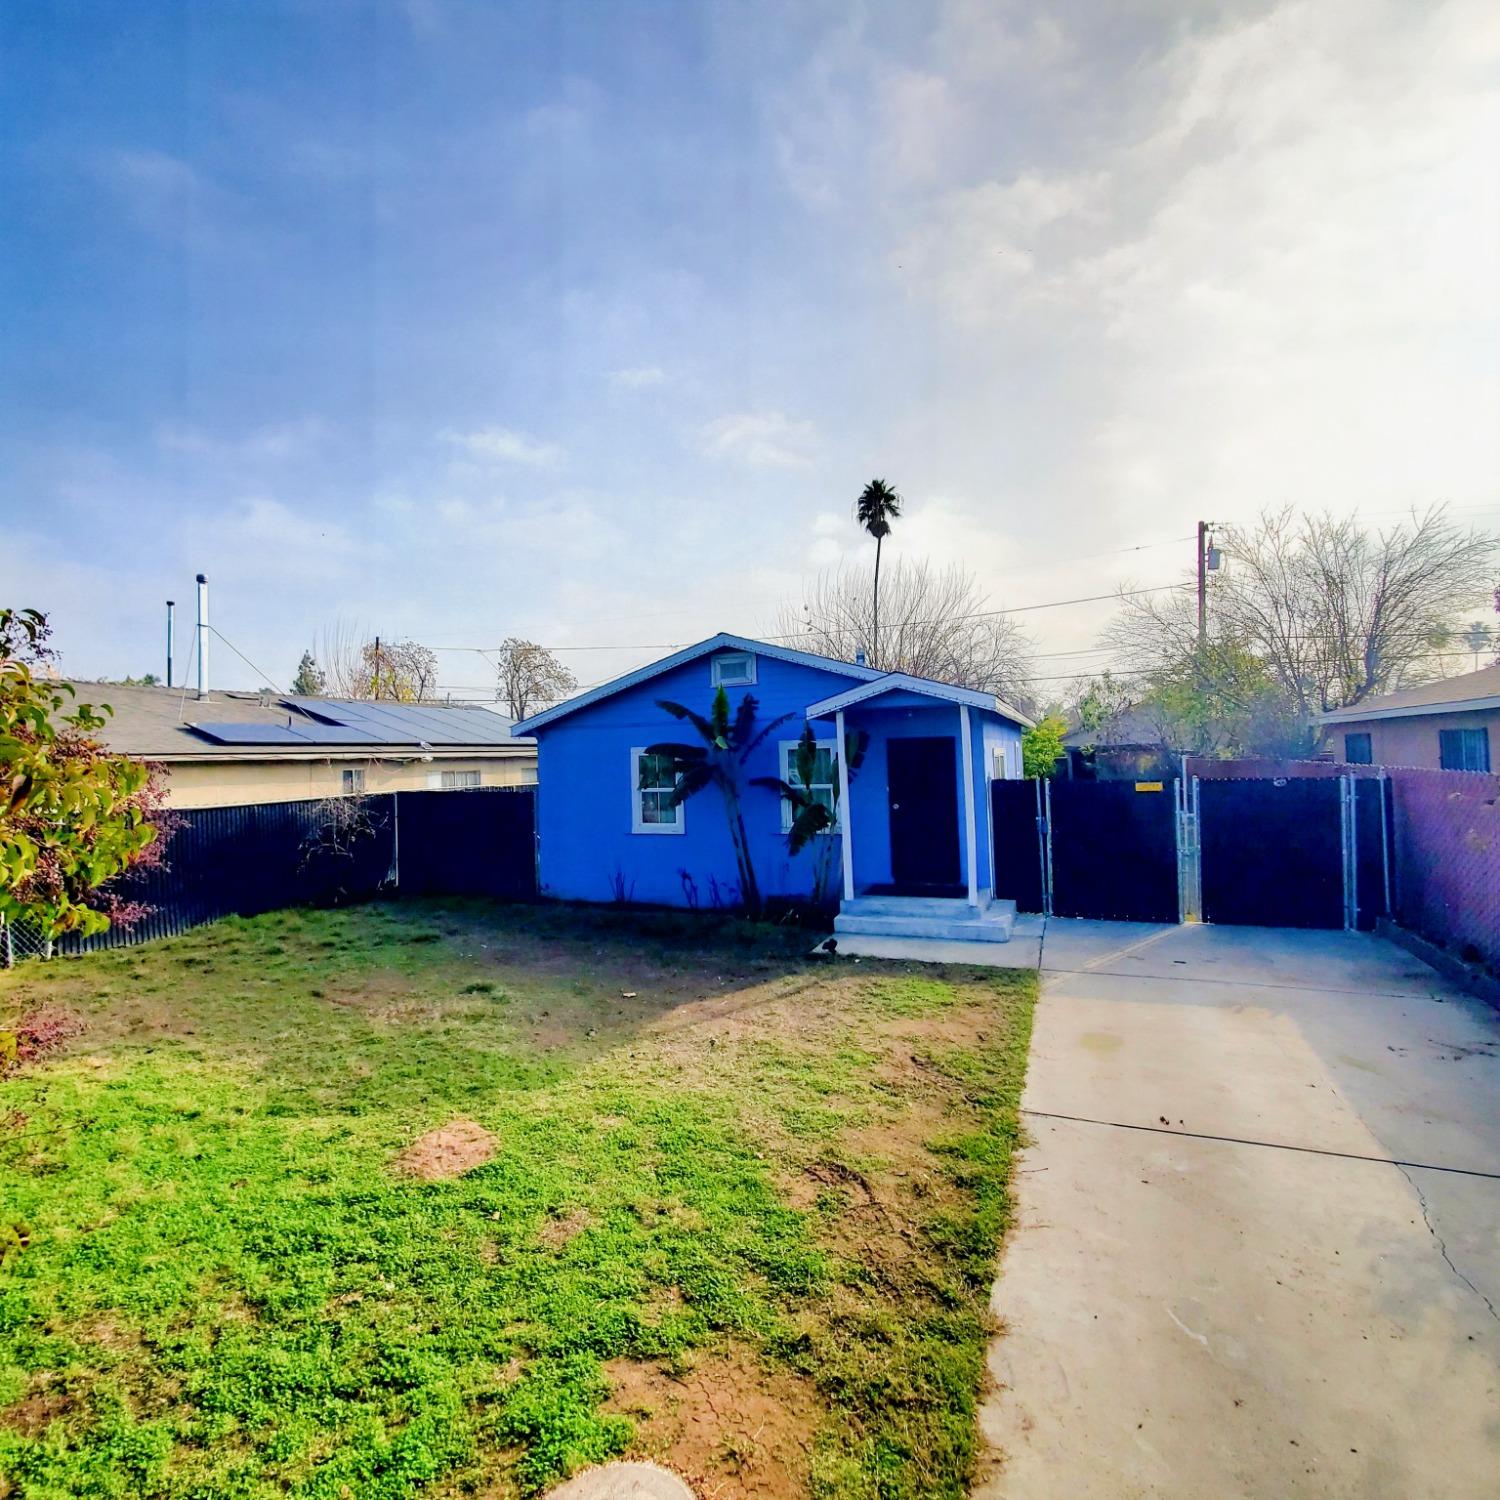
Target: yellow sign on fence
x=1148, y=786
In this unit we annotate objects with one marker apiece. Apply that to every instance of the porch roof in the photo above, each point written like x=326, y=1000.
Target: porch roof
x=901, y=682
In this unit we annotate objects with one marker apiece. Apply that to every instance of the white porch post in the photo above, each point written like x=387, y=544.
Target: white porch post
x=846, y=812
x=967, y=742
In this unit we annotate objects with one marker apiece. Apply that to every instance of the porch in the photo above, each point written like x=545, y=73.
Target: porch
x=916, y=853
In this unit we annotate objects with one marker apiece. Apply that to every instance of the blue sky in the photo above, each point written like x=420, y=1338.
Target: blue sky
x=587, y=321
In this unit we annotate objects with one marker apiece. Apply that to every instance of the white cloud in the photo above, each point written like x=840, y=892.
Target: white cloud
x=281, y=440
x=761, y=439
x=167, y=196
x=639, y=377
x=501, y=444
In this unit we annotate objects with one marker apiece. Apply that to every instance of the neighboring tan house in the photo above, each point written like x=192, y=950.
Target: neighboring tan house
x=229, y=749
x=1452, y=725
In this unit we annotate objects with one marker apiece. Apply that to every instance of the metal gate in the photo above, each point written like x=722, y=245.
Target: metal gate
x=1278, y=852
x=1265, y=852
x=1104, y=849
x=1018, y=830
x=1114, y=850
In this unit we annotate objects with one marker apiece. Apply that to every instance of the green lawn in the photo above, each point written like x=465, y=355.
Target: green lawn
x=742, y=1210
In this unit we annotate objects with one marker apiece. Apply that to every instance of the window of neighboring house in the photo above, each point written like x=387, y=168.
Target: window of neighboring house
x=651, y=809
x=1464, y=749
x=455, y=781
x=1358, y=751
x=354, y=782
x=824, y=771
x=733, y=669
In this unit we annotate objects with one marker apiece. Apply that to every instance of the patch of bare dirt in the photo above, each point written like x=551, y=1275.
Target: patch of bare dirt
x=733, y=1430
x=33, y=1414
x=556, y=1233
x=449, y=1151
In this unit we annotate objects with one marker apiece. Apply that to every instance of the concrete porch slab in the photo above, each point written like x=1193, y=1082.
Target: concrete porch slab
x=1023, y=951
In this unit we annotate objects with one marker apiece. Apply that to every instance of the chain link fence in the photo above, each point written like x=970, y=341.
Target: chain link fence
x=228, y=861
x=1445, y=866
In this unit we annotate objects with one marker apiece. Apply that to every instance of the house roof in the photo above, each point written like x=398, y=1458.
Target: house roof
x=1470, y=692
x=160, y=723
x=721, y=642
x=893, y=682
x=1130, y=726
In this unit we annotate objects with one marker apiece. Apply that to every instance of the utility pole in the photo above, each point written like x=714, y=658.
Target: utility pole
x=1202, y=582
x=1208, y=562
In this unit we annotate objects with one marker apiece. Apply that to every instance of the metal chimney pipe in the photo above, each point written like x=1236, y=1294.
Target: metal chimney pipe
x=202, y=636
x=171, y=619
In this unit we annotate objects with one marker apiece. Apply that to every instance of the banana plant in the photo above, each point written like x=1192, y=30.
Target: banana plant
x=810, y=816
x=726, y=742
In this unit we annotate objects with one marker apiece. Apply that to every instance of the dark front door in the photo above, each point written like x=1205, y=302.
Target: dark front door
x=922, y=784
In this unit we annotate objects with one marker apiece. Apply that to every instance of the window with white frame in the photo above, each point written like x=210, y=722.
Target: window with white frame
x=825, y=771
x=457, y=781
x=354, y=782
x=734, y=669
x=651, y=807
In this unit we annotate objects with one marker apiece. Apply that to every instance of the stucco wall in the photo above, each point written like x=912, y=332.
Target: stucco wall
x=588, y=851
x=226, y=783
x=1413, y=741
x=586, y=791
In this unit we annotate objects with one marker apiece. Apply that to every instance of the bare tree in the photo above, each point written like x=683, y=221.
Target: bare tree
x=357, y=665
x=530, y=677
x=1335, y=613
x=933, y=623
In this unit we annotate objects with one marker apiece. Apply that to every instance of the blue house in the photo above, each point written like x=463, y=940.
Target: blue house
x=910, y=849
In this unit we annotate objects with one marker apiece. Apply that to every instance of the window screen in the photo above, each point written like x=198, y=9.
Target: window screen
x=1464, y=749
x=1357, y=750
x=653, y=810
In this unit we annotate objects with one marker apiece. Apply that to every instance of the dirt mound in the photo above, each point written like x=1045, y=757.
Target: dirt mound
x=449, y=1151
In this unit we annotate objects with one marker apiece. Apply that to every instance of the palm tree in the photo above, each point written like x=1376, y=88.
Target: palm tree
x=877, y=506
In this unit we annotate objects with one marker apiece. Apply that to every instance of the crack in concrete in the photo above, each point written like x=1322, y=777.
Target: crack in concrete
x=1442, y=1244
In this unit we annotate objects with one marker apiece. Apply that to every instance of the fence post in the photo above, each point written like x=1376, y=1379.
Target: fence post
x=1349, y=835
x=1044, y=829
x=7, y=953
x=1189, y=850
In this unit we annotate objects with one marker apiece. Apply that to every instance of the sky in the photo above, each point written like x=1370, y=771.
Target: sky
x=587, y=320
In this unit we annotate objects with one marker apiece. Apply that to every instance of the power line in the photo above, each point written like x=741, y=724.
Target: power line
x=265, y=677
x=982, y=614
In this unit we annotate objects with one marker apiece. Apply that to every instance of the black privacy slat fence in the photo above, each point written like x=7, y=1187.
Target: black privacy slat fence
x=241, y=861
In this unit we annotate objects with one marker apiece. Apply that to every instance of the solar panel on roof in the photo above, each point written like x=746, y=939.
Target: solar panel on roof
x=415, y=723
x=307, y=733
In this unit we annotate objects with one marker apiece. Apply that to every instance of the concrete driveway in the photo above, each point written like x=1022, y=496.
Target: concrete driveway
x=1238, y=1268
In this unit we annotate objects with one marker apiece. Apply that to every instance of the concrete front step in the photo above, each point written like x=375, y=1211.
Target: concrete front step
x=919, y=917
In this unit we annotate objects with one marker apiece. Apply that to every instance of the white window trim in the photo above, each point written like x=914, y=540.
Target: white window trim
x=745, y=656
x=787, y=749
x=636, y=825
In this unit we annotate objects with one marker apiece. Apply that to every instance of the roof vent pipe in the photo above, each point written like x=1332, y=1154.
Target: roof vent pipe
x=202, y=636
x=171, y=621
x=859, y=656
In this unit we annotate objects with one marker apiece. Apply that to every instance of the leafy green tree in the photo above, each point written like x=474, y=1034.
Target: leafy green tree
x=878, y=505
x=1042, y=746
x=72, y=815
x=309, y=681
x=810, y=814
x=727, y=742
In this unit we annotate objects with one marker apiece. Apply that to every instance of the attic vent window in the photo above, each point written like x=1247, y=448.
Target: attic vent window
x=734, y=669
